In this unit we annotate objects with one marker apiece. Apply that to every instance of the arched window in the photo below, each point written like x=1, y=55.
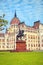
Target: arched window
x=42, y=45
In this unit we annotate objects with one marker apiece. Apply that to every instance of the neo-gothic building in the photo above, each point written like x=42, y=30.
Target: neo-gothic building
x=20, y=37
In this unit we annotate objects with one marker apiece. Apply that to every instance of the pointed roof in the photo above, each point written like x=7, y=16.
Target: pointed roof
x=15, y=20
x=15, y=14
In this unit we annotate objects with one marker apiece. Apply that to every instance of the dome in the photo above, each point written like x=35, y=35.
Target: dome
x=15, y=21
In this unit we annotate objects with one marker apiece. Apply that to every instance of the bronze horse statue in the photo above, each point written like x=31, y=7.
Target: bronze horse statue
x=20, y=34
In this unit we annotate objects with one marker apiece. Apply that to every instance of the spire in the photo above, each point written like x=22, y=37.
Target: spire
x=15, y=14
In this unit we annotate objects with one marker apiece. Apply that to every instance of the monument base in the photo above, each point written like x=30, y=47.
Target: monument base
x=20, y=45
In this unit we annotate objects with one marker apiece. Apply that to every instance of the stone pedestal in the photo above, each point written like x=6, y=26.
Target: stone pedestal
x=20, y=45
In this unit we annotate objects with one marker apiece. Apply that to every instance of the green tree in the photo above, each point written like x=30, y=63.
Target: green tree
x=3, y=22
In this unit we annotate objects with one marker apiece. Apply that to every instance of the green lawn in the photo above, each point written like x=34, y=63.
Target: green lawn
x=21, y=58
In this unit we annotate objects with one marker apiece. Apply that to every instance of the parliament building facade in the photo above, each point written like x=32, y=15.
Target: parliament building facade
x=20, y=37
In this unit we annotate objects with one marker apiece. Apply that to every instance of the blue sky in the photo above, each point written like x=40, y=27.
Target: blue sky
x=28, y=11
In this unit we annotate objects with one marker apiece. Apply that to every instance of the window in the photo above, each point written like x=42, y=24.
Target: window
x=38, y=45
x=12, y=46
x=7, y=46
x=36, y=41
x=31, y=37
x=7, y=39
x=3, y=46
x=36, y=37
x=31, y=40
x=42, y=45
x=3, y=40
x=28, y=44
x=28, y=40
x=29, y=48
x=0, y=39
x=7, y=43
x=42, y=40
x=3, y=43
x=31, y=45
x=34, y=45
